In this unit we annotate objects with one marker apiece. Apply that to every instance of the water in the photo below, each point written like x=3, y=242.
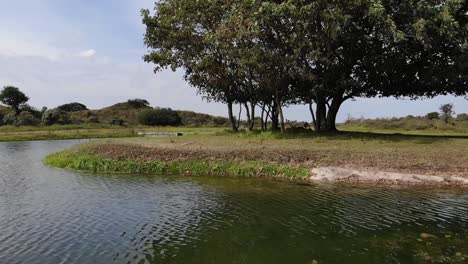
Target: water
x=55, y=216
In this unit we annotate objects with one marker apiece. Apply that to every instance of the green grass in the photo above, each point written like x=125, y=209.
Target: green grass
x=82, y=160
x=407, y=125
x=57, y=132
x=77, y=133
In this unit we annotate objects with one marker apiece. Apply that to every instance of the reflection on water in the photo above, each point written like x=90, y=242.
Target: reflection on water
x=56, y=216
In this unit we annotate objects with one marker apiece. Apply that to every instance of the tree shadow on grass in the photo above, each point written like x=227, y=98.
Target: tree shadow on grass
x=395, y=137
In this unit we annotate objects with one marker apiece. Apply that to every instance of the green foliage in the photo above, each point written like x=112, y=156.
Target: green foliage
x=159, y=117
x=192, y=119
x=26, y=118
x=276, y=53
x=34, y=111
x=9, y=119
x=73, y=107
x=138, y=103
x=447, y=112
x=55, y=116
x=462, y=117
x=432, y=115
x=13, y=97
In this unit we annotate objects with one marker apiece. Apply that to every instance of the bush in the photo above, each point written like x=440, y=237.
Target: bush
x=92, y=119
x=117, y=122
x=1, y=119
x=219, y=121
x=55, y=116
x=159, y=117
x=9, y=119
x=432, y=115
x=34, y=111
x=138, y=103
x=462, y=117
x=73, y=107
x=26, y=118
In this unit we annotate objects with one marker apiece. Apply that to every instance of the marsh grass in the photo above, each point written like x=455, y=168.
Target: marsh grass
x=81, y=159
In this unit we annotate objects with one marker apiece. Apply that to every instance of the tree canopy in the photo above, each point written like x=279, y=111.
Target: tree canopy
x=271, y=54
x=13, y=97
x=73, y=107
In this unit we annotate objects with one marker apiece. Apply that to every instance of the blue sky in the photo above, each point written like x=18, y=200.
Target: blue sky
x=90, y=51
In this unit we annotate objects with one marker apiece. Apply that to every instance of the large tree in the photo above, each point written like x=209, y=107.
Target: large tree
x=320, y=52
x=13, y=97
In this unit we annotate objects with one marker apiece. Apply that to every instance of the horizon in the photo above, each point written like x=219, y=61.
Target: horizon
x=78, y=55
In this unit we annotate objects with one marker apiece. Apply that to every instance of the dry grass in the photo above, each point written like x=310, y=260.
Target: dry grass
x=413, y=154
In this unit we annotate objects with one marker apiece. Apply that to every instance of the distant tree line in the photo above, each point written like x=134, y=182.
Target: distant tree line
x=19, y=113
x=267, y=55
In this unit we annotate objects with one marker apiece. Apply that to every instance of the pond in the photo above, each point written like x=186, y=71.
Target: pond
x=56, y=216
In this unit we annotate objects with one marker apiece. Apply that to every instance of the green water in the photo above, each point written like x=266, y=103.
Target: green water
x=55, y=216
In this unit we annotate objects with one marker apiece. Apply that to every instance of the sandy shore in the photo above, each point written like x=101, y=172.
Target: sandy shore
x=342, y=175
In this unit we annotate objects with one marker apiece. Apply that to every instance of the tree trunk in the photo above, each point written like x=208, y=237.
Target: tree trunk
x=321, y=116
x=280, y=112
x=332, y=113
x=247, y=110
x=261, y=117
x=274, y=117
x=231, y=117
x=311, y=109
x=267, y=117
x=240, y=114
x=252, y=124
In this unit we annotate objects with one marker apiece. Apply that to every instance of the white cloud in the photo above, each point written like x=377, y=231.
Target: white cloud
x=87, y=53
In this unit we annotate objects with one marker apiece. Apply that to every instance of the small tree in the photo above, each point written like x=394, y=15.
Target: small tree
x=447, y=112
x=13, y=97
x=432, y=115
x=159, y=117
x=138, y=103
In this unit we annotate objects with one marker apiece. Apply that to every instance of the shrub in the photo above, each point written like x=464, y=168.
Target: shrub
x=55, y=116
x=9, y=119
x=159, y=117
x=117, y=122
x=1, y=119
x=26, y=118
x=34, y=111
x=432, y=115
x=92, y=119
x=138, y=103
x=73, y=107
x=219, y=121
x=462, y=117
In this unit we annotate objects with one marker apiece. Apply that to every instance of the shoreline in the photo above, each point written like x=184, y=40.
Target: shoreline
x=382, y=178
x=115, y=158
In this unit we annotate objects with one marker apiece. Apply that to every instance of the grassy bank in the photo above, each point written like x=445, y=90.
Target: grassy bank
x=85, y=158
x=67, y=133
x=269, y=154
x=57, y=132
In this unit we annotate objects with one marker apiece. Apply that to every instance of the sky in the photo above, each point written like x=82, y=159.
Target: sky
x=91, y=52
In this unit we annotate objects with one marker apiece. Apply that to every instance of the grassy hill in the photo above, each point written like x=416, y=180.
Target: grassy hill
x=128, y=115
